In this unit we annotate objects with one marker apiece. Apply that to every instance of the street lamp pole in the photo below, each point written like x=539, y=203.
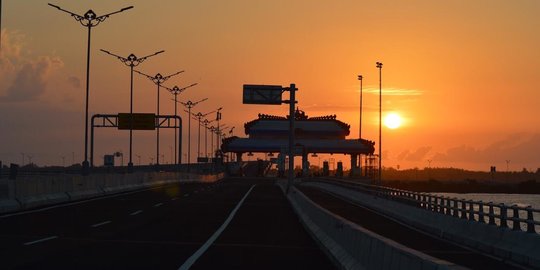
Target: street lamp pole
x=199, y=117
x=379, y=66
x=212, y=129
x=206, y=122
x=158, y=79
x=360, y=77
x=189, y=104
x=88, y=20
x=131, y=61
x=218, y=117
x=175, y=91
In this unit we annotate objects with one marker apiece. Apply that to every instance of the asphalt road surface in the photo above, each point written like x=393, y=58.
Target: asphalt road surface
x=232, y=224
x=404, y=235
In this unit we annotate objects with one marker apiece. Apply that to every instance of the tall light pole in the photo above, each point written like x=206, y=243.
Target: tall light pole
x=88, y=20
x=131, y=61
x=218, y=118
x=507, y=165
x=379, y=66
x=360, y=77
x=212, y=130
x=206, y=122
x=189, y=104
x=199, y=116
x=176, y=91
x=158, y=79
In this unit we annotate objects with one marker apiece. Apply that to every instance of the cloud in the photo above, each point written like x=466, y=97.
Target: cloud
x=31, y=79
x=23, y=77
x=418, y=155
x=519, y=148
x=74, y=81
x=389, y=91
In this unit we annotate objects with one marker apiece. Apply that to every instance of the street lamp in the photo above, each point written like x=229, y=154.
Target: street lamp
x=158, y=79
x=218, y=117
x=360, y=77
x=212, y=130
x=206, y=122
x=379, y=66
x=175, y=91
x=189, y=104
x=199, y=117
x=131, y=61
x=88, y=20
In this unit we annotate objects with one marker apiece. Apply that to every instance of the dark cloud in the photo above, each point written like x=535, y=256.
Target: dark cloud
x=519, y=148
x=30, y=80
x=418, y=155
x=74, y=81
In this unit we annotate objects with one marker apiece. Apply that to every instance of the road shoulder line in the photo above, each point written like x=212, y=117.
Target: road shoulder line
x=191, y=260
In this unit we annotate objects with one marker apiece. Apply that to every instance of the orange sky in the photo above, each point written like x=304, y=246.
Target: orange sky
x=463, y=74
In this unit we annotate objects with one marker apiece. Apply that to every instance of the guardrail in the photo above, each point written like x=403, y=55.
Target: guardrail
x=44, y=171
x=521, y=218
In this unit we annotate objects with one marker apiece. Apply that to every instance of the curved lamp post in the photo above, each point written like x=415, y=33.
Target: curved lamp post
x=131, y=61
x=158, y=79
x=175, y=91
x=88, y=20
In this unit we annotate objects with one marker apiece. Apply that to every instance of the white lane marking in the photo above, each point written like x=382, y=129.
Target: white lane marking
x=174, y=199
x=40, y=240
x=136, y=213
x=101, y=223
x=158, y=204
x=191, y=260
x=185, y=195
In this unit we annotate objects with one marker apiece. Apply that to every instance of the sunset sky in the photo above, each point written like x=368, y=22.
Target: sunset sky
x=464, y=75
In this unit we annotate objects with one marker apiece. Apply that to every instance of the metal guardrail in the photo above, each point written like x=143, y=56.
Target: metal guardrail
x=51, y=171
x=521, y=218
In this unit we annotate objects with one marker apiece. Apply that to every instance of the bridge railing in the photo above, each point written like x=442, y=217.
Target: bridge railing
x=515, y=217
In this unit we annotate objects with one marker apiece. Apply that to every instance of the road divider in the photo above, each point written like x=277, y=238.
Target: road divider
x=36, y=191
x=353, y=247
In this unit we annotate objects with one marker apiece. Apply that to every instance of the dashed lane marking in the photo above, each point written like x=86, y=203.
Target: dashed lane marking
x=158, y=204
x=136, y=213
x=101, y=224
x=40, y=240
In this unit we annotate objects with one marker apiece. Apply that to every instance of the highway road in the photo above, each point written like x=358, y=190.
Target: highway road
x=231, y=224
x=404, y=235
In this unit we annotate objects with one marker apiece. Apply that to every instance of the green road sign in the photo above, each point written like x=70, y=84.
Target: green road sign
x=262, y=94
x=141, y=121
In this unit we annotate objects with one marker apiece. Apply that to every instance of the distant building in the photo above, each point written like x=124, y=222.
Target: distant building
x=316, y=135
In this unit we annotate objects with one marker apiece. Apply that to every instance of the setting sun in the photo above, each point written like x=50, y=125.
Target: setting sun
x=393, y=121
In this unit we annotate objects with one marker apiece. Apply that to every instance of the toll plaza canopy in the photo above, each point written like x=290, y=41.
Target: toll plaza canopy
x=324, y=134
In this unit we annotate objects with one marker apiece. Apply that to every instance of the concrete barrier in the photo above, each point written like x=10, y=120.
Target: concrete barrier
x=36, y=191
x=517, y=246
x=353, y=247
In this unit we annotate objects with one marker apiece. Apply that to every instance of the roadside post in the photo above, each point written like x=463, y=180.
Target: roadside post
x=272, y=95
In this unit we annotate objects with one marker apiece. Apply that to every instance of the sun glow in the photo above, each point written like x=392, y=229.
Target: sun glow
x=393, y=121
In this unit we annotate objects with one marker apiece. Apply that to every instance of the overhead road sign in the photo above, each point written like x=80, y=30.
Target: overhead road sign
x=262, y=94
x=141, y=121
